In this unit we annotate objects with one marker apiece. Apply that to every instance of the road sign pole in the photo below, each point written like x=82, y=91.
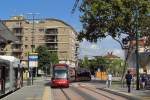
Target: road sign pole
x=29, y=74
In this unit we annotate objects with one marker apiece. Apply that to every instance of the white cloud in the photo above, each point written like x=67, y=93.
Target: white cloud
x=100, y=48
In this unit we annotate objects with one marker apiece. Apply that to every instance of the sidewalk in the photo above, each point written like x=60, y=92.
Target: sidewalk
x=40, y=90
x=116, y=89
x=35, y=80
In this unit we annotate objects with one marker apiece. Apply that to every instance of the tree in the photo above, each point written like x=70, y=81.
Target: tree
x=54, y=57
x=84, y=63
x=43, y=57
x=46, y=58
x=115, y=66
x=101, y=18
x=120, y=19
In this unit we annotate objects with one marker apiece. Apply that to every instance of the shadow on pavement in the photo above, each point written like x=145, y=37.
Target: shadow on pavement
x=47, y=84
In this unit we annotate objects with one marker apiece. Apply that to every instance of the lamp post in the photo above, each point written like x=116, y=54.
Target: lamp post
x=33, y=27
x=32, y=45
x=137, y=47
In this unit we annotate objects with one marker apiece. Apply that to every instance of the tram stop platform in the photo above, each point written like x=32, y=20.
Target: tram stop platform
x=141, y=94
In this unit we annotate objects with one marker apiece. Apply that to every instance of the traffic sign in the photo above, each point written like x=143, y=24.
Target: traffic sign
x=33, y=60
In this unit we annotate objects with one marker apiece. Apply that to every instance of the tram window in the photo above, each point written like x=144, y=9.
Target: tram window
x=0, y=73
x=60, y=74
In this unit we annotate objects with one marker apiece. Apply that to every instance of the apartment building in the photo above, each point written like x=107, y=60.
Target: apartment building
x=57, y=35
x=143, y=56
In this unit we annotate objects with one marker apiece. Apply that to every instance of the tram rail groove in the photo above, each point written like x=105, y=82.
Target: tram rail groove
x=65, y=94
x=96, y=92
x=120, y=94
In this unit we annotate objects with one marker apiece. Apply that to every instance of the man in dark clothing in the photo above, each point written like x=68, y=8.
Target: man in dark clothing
x=143, y=81
x=128, y=80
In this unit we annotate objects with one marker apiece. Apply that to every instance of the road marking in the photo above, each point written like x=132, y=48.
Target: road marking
x=47, y=94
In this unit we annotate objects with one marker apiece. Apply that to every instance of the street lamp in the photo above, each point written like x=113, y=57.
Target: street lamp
x=33, y=26
x=137, y=49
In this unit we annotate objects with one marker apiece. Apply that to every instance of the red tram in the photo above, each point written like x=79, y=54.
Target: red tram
x=60, y=76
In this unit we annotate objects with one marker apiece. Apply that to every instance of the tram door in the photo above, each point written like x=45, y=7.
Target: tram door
x=2, y=79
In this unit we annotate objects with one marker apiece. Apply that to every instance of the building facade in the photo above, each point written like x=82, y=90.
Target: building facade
x=143, y=56
x=57, y=35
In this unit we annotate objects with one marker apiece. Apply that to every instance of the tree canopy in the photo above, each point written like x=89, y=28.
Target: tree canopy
x=46, y=58
x=116, y=18
x=104, y=64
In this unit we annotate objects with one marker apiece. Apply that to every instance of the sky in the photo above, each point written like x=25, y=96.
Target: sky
x=59, y=9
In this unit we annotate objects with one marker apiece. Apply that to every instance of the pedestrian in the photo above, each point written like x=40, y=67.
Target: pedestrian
x=109, y=80
x=128, y=81
x=143, y=81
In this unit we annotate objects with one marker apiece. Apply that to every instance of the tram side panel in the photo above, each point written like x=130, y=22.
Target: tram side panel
x=79, y=74
x=5, y=69
x=2, y=78
x=8, y=76
x=72, y=74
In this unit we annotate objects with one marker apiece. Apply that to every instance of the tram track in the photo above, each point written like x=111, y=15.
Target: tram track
x=86, y=95
x=84, y=92
x=97, y=92
x=65, y=94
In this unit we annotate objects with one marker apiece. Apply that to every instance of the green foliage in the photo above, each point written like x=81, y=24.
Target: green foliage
x=46, y=58
x=54, y=57
x=113, y=17
x=114, y=66
x=84, y=63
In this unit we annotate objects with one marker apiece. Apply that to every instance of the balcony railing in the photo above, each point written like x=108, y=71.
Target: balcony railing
x=17, y=50
x=18, y=42
x=18, y=34
x=17, y=26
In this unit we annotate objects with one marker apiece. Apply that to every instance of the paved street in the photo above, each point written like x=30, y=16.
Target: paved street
x=83, y=91
x=40, y=90
x=91, y=90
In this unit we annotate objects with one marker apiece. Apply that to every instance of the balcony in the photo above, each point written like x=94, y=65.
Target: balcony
x=17, y=25
x=17, y=50
x=51, y=31
x=18, y=42
x=52, y=48
x=51, y=40
x=18, y=34
x=52, y=34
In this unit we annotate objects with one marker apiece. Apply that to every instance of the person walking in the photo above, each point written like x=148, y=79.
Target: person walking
x=128, y=81
x=143, y=80
x=109, y=80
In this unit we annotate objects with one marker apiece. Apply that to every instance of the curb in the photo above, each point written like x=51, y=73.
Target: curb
x=129, y=97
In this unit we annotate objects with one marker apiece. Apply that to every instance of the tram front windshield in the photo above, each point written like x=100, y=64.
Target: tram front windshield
x=60, y=74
